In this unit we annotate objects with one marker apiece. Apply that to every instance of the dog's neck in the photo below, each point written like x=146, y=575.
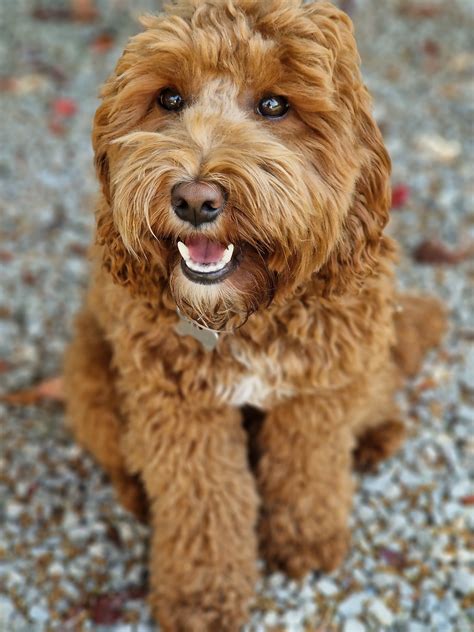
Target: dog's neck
x=205, y=335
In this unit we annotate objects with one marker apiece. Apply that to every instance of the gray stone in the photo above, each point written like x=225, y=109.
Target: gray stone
x=353, y=625
x=380, y=611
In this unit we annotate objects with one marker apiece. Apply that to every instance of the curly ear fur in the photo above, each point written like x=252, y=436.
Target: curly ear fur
x=362, y=245
x=144, y=274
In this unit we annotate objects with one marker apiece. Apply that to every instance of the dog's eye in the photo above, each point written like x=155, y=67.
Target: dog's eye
x=273, y=106
x=170, y=99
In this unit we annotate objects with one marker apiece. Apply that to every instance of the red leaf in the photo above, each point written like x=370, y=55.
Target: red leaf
x=435, y=252
x=106, y=609
x=4, y=366
x=6, y=256
x=431, y=48
x=64, y=107
x=103, y=42
x=400, y=195
x=467, y=500
x=393, y=558
x=51, y=389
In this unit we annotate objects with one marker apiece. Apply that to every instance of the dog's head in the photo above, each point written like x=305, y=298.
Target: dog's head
x=238, y=157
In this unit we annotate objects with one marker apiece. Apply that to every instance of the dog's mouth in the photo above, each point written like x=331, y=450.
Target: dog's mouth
x=205, y=261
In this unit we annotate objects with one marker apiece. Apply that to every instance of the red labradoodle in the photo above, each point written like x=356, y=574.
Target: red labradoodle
x=242, y=301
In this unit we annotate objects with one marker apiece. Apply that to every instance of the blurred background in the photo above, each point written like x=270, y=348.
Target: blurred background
x=70, y=558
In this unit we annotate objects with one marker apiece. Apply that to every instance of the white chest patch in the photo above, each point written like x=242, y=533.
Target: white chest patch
x=250, y=389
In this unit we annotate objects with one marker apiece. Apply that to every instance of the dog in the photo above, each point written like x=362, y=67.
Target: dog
x=242, y=338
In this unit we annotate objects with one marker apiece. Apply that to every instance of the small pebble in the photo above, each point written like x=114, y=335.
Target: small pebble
x=353, y=625
x=380, y=611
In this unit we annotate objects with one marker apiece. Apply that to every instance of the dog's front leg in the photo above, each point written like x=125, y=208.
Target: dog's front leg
x=304, y=477
x=203, y=511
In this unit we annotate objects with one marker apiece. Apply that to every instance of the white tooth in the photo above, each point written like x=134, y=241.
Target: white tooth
x=184, y=250
x=227, y=256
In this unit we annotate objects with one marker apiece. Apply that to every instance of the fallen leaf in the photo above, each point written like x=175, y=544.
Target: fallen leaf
x=28, y=278
x=431, y=48
x=400, y=195
x=427, y=10
x=78, y=249
x=4, y=366
x=80, y=11
x=106, y=609
x=426, y=385
x=6, y=256
x=51, y=389
x=103, y=42
x=393, y=558
x=84, y=10
x=64, y=107
x=24, y=84
x=434, y=252
x=56, y=126
x=467, y=500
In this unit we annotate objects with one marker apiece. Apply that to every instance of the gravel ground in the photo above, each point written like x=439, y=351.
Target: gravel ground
x=70, y=558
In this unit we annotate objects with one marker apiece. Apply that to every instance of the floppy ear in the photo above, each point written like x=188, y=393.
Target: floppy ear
x=141, y=274
x=361, y=247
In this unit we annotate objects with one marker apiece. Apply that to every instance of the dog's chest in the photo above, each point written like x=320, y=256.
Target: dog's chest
x=253, y=379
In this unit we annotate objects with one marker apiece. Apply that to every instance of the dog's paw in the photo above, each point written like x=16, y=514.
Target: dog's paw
x=377, y=444
x=131, y=495
x=297, y=555
x=225, y=611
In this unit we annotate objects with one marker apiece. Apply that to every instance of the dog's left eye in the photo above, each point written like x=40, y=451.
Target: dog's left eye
x=273, y=106
x=170, y=99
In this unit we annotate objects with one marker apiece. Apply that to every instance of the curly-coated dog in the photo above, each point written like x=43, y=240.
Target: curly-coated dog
x=245, y=189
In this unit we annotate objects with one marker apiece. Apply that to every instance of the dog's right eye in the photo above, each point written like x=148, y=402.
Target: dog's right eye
x=169, y=99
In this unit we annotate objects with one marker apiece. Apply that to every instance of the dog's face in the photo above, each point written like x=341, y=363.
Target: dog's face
x=238, y=157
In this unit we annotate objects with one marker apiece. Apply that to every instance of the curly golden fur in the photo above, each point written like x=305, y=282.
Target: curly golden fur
x=310, y=332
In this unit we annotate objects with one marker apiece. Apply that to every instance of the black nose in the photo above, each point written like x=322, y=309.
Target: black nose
x=197, y=202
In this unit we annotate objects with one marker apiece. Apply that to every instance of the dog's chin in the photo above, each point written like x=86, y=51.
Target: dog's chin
x=221, y=297
x=210, y=276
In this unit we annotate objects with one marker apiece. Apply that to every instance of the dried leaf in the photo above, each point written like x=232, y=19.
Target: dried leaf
x=400, y=195
x=426, y=385
x=103, y=42
x=24, y=84
x=431, y=48
x=80, y=11
x=392, y=558
x=6, y=256
x=427, y=10
x=51, y=389
x=56, y=127
x=467, y=500
x=106, y=609
x=84, y=10
x=4, y=366
x=434, y=252
x=64, y=107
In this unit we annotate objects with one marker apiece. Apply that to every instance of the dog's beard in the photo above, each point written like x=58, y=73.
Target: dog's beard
x=225, y=305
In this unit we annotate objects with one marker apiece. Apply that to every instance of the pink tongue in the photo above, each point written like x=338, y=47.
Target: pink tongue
x=203, y=250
